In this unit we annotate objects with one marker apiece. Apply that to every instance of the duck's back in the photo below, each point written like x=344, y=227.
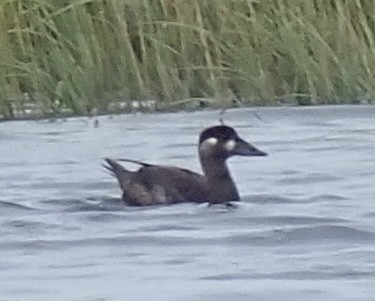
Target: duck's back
x=154, y=184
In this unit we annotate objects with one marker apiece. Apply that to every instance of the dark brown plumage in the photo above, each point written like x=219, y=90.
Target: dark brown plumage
x=155, y=184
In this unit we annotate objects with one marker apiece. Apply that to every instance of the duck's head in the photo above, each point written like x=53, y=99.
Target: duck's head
x=222, y=142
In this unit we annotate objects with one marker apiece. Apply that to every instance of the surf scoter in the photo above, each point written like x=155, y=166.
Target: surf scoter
x=155, y=184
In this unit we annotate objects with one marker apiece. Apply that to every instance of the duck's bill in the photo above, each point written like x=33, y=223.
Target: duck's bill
x=243, y=148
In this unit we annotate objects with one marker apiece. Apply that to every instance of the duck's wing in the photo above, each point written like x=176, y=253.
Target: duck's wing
x=155, y=184
x=170, y=185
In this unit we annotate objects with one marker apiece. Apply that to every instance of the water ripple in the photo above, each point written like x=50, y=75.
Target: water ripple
x=7, y=207
x=305, y=229
x=304, y=235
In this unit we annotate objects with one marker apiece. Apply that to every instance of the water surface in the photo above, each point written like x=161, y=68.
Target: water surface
x=305, y=229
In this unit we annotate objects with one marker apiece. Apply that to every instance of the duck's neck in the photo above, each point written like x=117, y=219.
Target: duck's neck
x=220, y=184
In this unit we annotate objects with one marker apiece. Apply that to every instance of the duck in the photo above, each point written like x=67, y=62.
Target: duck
x=165, y=185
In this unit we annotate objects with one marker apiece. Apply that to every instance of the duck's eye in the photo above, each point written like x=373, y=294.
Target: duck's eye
x=211, y=141
x=230, y=145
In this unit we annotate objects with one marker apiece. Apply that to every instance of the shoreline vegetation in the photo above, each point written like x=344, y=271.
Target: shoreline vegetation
x=69, y=57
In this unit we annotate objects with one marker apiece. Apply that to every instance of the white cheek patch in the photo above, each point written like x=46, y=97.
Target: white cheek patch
x=206, y=145
x=211, y=141
x=230, y=145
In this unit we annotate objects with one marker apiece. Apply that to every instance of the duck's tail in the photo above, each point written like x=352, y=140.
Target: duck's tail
x=116, y=170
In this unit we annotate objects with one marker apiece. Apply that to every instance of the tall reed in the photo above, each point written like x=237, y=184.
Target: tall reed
x=84, y=54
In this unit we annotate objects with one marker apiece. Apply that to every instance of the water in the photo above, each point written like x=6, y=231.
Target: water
x=305, y=229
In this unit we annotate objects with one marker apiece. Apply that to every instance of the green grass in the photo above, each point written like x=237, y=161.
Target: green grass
x=82, y=55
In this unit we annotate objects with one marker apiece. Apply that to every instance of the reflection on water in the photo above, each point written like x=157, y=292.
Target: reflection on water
x=305, y=228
